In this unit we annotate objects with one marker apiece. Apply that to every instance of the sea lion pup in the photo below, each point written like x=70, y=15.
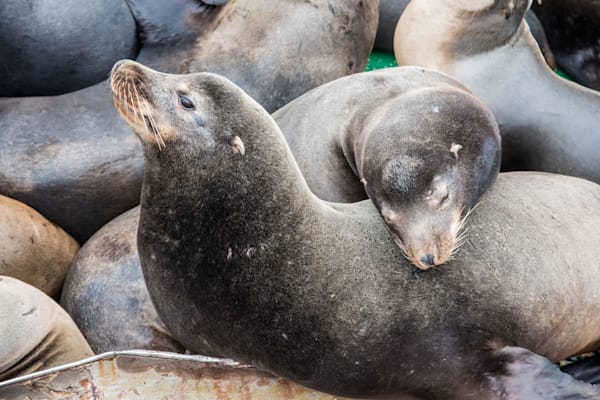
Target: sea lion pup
x=243, y=261
x=106, y=295
x=546, y=122
x=32, y=248
x=423, y=147
x=35, y=333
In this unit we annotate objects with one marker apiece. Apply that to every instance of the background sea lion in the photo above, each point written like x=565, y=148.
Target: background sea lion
x=546, y=122
x=391, y=10
x=35, y=333
x=573, y=30
x=82, y=172
x=32, y=248
x=242, y=260
x=416, y=141
x=57, y=46
x=106, y=296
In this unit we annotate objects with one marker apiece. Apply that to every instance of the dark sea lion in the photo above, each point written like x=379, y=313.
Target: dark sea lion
x=57, y=46
x=391, y=10
x=547, y=123
x=416, y=141
x=573, y=30
x=32, y=248
x=106, y=296
x=243, y=261
x=35, y=333
x=74, y=160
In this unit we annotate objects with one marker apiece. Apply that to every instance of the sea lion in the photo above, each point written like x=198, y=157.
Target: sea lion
x=32, y=248
x=573, y=30
x=547, y=123
x=83, y=172
x=106, y=296
x=35, y=333
x=56, y=46
x=424, y=148
x=391, y=10
x=241, y=260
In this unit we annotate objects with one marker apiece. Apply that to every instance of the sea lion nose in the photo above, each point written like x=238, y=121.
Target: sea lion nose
x=427, y=259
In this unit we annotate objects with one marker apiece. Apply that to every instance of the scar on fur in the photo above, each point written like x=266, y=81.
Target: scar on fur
x=455, y=148
x=238, y=145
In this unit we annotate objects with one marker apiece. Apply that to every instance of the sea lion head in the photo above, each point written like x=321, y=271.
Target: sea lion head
x=423, y=201
x=165, y=110
x=426, y=183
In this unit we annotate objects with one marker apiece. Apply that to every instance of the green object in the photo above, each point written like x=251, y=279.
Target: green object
x=380, y=59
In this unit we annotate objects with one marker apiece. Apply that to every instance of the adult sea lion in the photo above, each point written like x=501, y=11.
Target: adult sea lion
x=424, y=148
x=82, y=172
x=573, y=30
x=35, y=333
x=547, y=123
x=106, y=296
x=32, y=248
x=243, y=261
x=391, y=10
x=57, y=46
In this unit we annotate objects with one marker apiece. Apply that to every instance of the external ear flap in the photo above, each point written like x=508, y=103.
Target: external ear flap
x=238, y=145
x=454, y=149
x=390, y=216
x=508, y=10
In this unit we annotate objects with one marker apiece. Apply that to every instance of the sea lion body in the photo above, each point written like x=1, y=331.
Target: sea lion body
x=82, y=172
x=35, y=333
x=53, y=47
x=32, y=248
x=421, y=146
x=546, y=122
x=106, y=296
x=390, y=12
x=573, y=30
x=242, y=260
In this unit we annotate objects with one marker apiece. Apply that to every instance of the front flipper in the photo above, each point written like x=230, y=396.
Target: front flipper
x=524, y=375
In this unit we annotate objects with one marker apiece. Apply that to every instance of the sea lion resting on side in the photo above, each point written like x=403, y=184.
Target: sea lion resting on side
x=35, y=333
x=243, y=261
x=547, y=123
x=424, y=148
x=32, y=248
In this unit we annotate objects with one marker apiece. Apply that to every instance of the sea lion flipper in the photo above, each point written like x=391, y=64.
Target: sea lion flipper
x=531, y=376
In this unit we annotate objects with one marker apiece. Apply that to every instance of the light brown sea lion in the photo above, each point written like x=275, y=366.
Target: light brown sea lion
x=32, y=248
x=35, y=333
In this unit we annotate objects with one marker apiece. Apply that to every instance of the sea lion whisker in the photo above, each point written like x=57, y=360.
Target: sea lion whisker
x=153, y=126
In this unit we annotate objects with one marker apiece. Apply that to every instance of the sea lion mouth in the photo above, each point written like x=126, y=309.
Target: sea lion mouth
x=435, y=250
x=131, y=100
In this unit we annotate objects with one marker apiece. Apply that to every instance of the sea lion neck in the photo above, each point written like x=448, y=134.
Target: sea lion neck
x=221, y=200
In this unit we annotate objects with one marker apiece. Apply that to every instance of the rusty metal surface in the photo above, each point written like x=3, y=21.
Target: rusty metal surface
x=148, y=375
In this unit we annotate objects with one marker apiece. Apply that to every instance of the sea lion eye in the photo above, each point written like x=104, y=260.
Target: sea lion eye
x=186, y=103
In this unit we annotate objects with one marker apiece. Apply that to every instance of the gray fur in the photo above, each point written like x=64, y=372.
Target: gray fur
x=241, y=260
